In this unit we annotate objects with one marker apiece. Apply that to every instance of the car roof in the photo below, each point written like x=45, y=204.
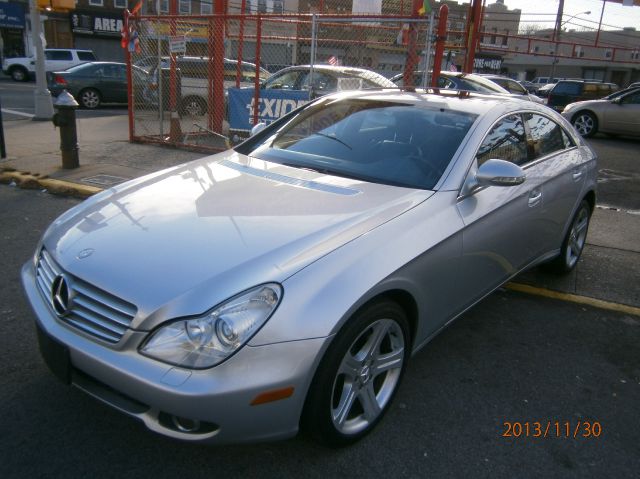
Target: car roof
x=468, y=102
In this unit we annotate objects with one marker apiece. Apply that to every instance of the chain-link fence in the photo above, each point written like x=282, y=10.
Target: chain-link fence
x=201, y=80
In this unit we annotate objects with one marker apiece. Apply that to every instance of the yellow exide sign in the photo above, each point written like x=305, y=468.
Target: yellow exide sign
x=57, y=5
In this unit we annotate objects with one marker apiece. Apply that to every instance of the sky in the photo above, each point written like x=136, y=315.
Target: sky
x=544, y=12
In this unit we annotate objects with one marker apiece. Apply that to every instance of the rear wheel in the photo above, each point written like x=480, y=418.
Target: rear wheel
x=19, y=74
x=585, y=123
x=90, y=98
x=358, y=376
x=574, y=241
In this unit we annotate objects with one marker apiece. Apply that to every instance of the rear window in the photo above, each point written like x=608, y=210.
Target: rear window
x=86, y=56
x=566, y=88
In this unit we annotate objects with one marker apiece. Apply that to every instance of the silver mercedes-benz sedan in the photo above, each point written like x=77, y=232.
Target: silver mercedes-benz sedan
x=285, y=284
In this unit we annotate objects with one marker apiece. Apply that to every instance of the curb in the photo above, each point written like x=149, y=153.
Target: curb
x=29, y=181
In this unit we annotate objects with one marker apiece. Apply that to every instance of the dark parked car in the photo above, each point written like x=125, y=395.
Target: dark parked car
x=94, y=83
x=571, y=91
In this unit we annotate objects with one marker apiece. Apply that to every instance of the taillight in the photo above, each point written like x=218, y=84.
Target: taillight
x=58, y=80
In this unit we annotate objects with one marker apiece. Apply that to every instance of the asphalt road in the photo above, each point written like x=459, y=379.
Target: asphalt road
x=18, y=104
x=512, y=358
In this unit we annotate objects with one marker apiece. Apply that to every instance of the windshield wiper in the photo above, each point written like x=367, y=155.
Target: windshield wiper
x=332, y=138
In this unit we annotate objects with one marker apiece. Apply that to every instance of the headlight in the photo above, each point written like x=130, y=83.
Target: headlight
x=208, y=340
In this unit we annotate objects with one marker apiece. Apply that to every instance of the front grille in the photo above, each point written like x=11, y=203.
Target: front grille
x=90, y=309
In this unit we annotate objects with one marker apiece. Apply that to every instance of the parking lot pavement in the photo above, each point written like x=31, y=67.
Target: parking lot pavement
x=519, y=386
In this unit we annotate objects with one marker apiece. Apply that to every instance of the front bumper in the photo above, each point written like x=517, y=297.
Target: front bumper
x=155, y=392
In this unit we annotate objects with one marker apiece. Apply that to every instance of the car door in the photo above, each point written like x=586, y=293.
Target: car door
x=623, y=115
x=557, y=165
x=499, y=236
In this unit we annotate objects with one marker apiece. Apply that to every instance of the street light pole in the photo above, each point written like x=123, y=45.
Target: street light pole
x=556, y=34
x=41, y=95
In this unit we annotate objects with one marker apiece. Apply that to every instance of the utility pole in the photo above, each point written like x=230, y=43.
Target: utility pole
x=41, y=95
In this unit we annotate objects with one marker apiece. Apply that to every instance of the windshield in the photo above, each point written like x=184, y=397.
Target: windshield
x=371, y=140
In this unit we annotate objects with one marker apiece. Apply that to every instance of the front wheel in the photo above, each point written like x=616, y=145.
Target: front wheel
x=574, y=241
x=359, y=375
x=585, y=123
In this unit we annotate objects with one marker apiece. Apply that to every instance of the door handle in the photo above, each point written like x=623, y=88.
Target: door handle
x=535, y=197
x=577, y=174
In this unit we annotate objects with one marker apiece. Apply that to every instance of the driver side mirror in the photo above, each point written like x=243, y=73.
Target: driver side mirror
x=494, y=173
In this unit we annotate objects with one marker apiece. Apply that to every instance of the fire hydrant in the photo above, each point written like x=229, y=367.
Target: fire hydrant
x=65, y=119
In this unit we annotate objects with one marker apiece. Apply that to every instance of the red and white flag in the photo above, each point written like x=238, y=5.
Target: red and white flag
x=332, y=60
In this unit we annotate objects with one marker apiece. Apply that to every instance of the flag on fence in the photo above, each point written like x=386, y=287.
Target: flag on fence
x=137, y=8
x=453, y=67
x=425, y=9
x=332, y=60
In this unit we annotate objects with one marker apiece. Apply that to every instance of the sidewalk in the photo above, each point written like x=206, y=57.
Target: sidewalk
x=608, y=270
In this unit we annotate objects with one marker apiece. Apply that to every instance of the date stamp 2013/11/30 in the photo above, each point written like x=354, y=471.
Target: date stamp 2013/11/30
x=541, y=429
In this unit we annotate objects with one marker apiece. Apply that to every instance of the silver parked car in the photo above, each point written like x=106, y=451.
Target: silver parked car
x=617, y=114
x=285, y=284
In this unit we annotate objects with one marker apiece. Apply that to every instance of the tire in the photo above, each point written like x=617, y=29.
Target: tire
x=359, y=375
x=574, y=241
x=19, y=74
x=585, y=123
x=194, y=106
x=90, y=98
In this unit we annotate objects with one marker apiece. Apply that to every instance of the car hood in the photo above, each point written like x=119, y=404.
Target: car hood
x=180, y=241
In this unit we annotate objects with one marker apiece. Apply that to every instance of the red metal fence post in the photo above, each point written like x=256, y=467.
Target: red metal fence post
x=216, y=99
x=473, y=27
x=412, y=55
x=441, y=38
x=243, y=8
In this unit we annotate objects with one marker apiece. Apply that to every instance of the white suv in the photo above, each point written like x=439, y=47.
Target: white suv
x=55, y=59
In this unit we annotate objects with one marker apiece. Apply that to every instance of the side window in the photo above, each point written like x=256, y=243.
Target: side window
x=546, y=134
x=515, y=87
x=445, y=83
x=505, y=141
x=286, y=81
x=566, y=88
x=58, y=55
x=633, y=99
x=86, y=56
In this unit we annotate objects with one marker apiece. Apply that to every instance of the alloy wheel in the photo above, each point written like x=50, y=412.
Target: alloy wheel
x=90, y=99
x=584, y=123
x=367, y=376
x=577, y=237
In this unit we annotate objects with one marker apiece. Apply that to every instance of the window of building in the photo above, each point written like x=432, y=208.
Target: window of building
x=184, y=7
x=206, y=7
x=120, y=3
x=493, y=37
x=278, y=6
x=505, y=141
x=608, y=53
x=262, y=6
x=505, y=39
x=164, y=6
x=97, y=3
x=635, y=55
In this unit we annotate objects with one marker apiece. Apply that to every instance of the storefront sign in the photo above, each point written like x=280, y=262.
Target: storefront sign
x=11, y=15
x=272, y=105
x=487, y=63
x=98, y=25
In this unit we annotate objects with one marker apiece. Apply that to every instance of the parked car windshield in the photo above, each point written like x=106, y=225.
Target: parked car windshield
x=377, y=141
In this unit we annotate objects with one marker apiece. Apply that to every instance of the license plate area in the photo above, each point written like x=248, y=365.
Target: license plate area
x=55, y=355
